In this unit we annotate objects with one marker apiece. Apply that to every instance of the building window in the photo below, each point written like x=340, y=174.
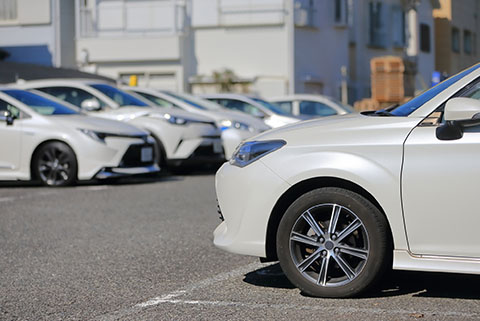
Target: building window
x=8, y=10
x=376, y=30
x=455, y=40
x=424, y=37
x=467, y=42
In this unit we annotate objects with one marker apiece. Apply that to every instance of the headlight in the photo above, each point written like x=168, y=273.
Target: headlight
x=227, y=123
x=249, y=152
x=99, y=137
x=175, y=120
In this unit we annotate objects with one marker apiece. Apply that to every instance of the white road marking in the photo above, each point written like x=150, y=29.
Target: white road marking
x=175, y=294
x=21, y=197
x=93, y=188
x=336, y=309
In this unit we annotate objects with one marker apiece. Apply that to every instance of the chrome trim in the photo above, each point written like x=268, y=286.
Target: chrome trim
x=109, y=172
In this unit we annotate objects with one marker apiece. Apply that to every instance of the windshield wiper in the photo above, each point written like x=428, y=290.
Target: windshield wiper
x=383, y=112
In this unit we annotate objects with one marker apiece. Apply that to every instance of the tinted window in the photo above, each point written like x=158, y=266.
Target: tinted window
x=239, y=105
x=286, y=106
x=40, y=104
x=4, y=106
x=74, y=96
x=118, y=96
x=156, y=100
x=315, y=108
x=270, y=106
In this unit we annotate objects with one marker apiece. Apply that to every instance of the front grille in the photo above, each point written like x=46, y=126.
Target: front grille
x=204, y=151
x=133, y=156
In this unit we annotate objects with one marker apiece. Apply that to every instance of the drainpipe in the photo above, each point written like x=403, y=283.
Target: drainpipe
x=290, y=25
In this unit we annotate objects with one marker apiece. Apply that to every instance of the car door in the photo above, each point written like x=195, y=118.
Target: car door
x=10, y=141
x=440, y=191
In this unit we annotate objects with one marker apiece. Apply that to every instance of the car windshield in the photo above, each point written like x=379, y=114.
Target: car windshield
x=195, y=101
x=270, y=106
x=409, y=107
x=120, y=97
x=40, y=104
x=347, y=108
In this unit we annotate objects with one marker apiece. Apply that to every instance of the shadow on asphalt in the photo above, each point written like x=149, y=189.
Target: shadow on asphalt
x=164, y=176
x=395, y=283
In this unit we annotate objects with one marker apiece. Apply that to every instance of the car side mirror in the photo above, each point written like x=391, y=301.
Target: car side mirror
x=90, y=104
x=7, y=117
x=462, y=109
x=459, y=113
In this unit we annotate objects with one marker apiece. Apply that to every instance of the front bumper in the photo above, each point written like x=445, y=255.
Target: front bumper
x=209, y=152
x=137, y=159
x=109, y=172
x=246, y=197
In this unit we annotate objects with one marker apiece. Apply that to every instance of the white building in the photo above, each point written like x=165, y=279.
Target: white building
x=272, y=46
x=38, y=31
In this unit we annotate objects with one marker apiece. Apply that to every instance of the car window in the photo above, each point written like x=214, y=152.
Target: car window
x=472, y=91
x=316, y=108
x=120, y=97
x=286, y=106
x=74, y=96
x=40, y=104
x=4, y=106
x=272, y=107
x=240, y=105
x=156, y=100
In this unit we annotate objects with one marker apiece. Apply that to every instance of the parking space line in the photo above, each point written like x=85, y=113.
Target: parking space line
x=21, y=197
x=185, y=290
x=336, y=309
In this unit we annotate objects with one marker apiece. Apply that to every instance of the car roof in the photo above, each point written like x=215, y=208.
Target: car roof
x=60, y=81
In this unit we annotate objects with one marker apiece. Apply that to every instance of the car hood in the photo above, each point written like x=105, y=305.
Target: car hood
x=97, y=124
x=176, y=112
x=219, y=115
x=342, y=129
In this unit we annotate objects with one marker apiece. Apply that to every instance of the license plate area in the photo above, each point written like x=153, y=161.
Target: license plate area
x=146, y=154
x=217, y=147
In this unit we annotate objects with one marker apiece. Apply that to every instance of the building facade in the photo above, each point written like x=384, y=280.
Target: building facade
x=38, y=31
x=267, y=47
x=457, y=32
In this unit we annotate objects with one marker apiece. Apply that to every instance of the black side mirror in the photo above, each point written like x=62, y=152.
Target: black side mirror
x=7, y=117
x=454, y=129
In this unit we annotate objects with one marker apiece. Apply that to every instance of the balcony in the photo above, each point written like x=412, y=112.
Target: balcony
x=128, y=30
x=127, y=18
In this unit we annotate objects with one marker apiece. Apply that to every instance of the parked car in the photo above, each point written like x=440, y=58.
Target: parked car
x=180, y=137
x=257, y=107
x=311, y=105
x=236, y=126
x=339, y=200
x=79, y=148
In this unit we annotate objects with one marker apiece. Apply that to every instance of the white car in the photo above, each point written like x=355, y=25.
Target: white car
x=338, y=200
x=235, y=126
x=260, y=108
x=181, y=137
x=49, y=141
x=311, y=105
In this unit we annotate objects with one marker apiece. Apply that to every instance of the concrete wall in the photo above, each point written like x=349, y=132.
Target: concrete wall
x=43, y=33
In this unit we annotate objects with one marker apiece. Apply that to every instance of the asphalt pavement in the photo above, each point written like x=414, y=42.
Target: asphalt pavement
x=141, y=249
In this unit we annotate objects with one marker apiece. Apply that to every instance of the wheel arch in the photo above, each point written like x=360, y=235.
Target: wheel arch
x=48, y=141
x=295, y=191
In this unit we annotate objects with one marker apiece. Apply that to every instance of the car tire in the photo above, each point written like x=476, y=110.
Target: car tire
x=55, y=164
x=342, y=259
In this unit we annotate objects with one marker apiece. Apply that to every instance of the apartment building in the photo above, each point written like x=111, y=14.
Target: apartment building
x=457, y=32
x=269, y=47
x=38, y=31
